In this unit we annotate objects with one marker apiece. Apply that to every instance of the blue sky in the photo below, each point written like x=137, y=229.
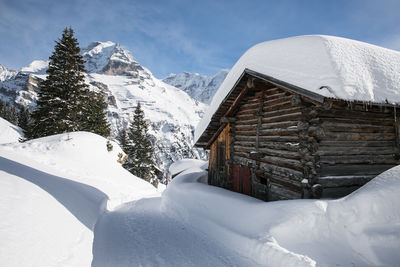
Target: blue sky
x=197, y=36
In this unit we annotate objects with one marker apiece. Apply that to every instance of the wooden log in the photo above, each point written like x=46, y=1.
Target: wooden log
x=280, y=112
x=278, y=192
x=370, y=143
x=338, y=151
x=278, y=131
x=359, y=159
x=365, y=121
x=278, y=106
x=282, y=162
x=340, y=136
x=351, y=114
x=281, y=146
x=280, y=153
x=286, y=117
x=274, y=96
x=278, y=138
x=340, y=181
x=281, y=171
x=280, y=124
x=240, y=121
x=354, y=169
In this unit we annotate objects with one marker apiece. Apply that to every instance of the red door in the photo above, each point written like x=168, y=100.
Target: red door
x=241, y=180
x=246, y=181
x=236, y=178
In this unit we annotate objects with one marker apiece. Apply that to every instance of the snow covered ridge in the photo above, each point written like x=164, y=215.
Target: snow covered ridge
x=361, y=229
x=332, y=67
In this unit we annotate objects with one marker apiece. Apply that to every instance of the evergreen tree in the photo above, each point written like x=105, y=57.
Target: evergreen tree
x=94, y=119
x=9, y=113
x=123, y=140
x=61, y=97
x=139, y=147
x=24, y=117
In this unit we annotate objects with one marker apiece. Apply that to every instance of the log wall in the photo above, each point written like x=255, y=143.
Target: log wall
x=295, y=146
x=265, y=138
x=356, y=143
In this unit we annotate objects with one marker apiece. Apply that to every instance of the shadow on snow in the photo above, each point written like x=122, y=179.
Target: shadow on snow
x=85, y=202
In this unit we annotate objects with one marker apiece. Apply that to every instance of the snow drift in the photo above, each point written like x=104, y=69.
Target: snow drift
x=362, y=229
x=9, y=132
x=53, y=191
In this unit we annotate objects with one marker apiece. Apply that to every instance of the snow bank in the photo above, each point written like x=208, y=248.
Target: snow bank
x=361, y=229
x=9, y=133
x=53, y=191
x=184, y=164
x=351, y=70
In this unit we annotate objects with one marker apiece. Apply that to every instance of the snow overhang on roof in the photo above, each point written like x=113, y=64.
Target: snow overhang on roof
x=332, y=67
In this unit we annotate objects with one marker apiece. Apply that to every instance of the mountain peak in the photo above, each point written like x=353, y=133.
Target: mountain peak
x=109, y=58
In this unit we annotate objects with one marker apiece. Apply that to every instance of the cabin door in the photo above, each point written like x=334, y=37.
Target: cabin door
x=241, y=179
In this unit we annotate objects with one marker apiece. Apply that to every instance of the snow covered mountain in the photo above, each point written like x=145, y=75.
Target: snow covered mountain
x=200, y=87
x=5, y=73
x=171, y=113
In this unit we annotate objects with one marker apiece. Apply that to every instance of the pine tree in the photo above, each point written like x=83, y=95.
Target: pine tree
x=123, y=139
x=24, y=117
x=139, y=147
x=61, y=97
x=94, y=117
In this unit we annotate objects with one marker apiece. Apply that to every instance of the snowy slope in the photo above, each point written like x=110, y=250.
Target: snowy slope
x=52, y=192
x=172, y=113
x=9, y=133
x=200, y=87
x=362, y=229
x=343, y=68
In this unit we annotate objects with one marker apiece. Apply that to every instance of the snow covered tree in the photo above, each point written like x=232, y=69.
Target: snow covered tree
x=65, y=103
x=139, y=148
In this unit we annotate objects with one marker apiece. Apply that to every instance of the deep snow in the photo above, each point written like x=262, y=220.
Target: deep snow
x=9, y=132
x=66, y=201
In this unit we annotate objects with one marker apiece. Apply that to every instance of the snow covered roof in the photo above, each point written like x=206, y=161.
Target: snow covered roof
x=344, y=69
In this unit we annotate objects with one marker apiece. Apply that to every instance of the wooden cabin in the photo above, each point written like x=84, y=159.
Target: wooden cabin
x=272, y=140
